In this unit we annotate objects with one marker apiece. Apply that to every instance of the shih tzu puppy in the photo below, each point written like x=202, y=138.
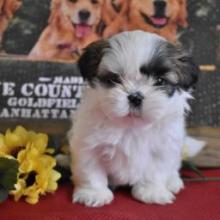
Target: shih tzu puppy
x=130, y=126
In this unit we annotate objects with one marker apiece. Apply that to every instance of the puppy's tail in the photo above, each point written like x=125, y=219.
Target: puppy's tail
x=192, y=147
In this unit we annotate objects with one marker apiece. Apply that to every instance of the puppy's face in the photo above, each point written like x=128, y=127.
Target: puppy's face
x=138, y=76
x=158, y=13
x=84, y=14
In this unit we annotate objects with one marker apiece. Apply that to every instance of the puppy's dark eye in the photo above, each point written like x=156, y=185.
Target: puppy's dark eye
x=94, y=1
x=166, y=86
x=73, y=1
x=110, y=79
x=160, y=82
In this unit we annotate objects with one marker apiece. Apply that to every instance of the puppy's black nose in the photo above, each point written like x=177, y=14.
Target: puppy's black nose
x=135, y=99
x=160, y=6
x=84, y=15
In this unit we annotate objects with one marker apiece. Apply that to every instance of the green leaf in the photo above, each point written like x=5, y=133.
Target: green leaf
x=8, y=173
x=3, y=194
x=192, y=167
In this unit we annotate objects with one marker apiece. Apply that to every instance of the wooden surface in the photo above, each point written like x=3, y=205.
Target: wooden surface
x=50, y=127
x=210, y=156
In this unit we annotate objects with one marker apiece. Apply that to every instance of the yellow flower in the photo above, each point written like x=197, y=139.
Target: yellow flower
x=3, y=146
x=19, y=189
x=12, y=141
x=32, y=194
x=45, y=162
x=28, y=159
x=40, y=142
x=22, y=133
x=52, y=180
x=47, y=180
x=31, y=152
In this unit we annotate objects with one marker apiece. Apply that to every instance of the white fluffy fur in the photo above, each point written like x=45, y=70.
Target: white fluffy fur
x=110, y=147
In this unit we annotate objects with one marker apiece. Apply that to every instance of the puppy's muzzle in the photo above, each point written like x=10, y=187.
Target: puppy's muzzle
x=135, y=99
x=84, y=15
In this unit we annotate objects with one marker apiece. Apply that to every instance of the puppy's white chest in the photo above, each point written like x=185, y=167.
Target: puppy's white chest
x=139, y=154
x=126, y=161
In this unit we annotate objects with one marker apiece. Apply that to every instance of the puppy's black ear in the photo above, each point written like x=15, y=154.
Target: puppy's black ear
x=89, y=61
x=184, y=66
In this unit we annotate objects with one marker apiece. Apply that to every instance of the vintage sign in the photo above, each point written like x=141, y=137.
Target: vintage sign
x=38, y=90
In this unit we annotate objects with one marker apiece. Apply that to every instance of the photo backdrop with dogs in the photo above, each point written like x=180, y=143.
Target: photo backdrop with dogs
x=56, y=31
x=60, y=29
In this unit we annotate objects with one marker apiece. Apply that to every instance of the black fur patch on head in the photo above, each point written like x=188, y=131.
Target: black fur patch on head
x=89, y=61
x=183, y=65
x=158, y=68
x=169, y=62
x=109, y=80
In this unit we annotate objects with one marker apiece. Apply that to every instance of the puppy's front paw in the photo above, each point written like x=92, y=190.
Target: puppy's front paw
x=153, y=194
x=175, y=184
x=92, y=197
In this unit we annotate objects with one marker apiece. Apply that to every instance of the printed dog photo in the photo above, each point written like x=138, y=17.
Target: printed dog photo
x=130, y=126
x=114, y=16
x=72, y=26
x=159, y=16
x=66, y=27
x=7, y=10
